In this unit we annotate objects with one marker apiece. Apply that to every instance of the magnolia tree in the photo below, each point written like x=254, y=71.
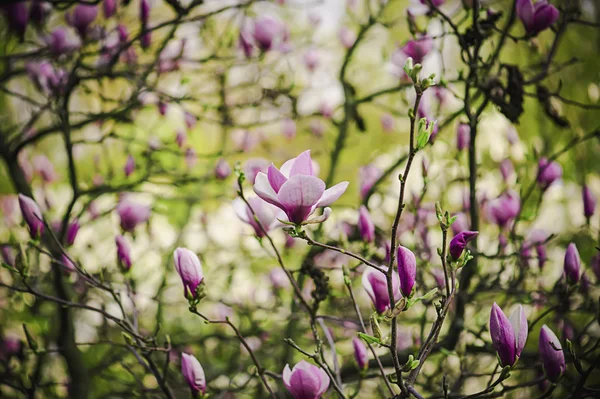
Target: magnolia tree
x=299, y=198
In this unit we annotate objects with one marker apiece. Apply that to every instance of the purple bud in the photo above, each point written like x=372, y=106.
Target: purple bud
x=552, y=355
x=360, y=353
x=266, y=31
x=8, y=254
x=190, y=120
x=189, y=268
x=366, y=227
x=289, y=129
x=536, y=17
x=548, y=173
x=10, y=346
x=347, y=37
x=146, y=39
x=132, y=214
x=589, y=202
x=540, y=250
x=180, y=138
x=585, y=283
x=32, y=215
x=109, y=7
x=67, y=263
x=72, y=230
x=463, y=136
x=505, y=208
x=417, y=49
x=305, y=381
x=60, y=43
x=162, y=107
x=506, y=169
x=144, y=11
x=375, y=284
x=123, y=34
x=508, y=335
x=193, y=373
x=123, y=252
x=222, y=169
x=407, y=269
x=459, y=243
x=81, y=17
x=129, y=165
x=17, y=17
x=572, y=264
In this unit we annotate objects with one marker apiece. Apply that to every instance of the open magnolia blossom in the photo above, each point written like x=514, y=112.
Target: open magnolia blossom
x=296, y=190
x=305, y=381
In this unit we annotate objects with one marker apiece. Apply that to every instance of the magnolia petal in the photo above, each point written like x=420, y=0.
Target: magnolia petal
x=263, y=189
x=332, y=194
x=276, y=178
x=302, y=165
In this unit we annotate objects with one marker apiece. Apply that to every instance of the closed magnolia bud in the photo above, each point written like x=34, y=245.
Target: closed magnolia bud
x=222, y=169
x=589, y=202
x=44, y=167
x=305, y=381
x=506, y=169
x=190, y=120
x=32, y=215
x=407, y=270
x=129, y=165
x=17, y=17
x=8, y=255
x=193, y=373
x=146, y=39
x=360, y=353
x=180, y=138
x=536, y=17
x=366, y=227
x=463, y=136
x=375, y=284
x=189, y=268
x=81, y=17
x=123, y=252
x=572, y=264
x=72, y=230
x=109, y=7
x=59, y=42
x=549, y=172
x=144, y=11
x=132, y=214
x=459, y=243
x=553, y=358
x=311, y=59
x=505, y=208
x=508, y=335
x=267, y=30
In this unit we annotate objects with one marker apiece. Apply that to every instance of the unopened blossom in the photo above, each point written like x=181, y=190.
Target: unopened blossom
x=347, y=37
x=375, y=284
x=60, y=42
x=311, y=59
x=387, y=123
x=268, y=31
x=193, y=373
x=246, y=41
x=17, y=17
x=144, y=11
x=163, y=107
x=366, y=228
x=463, y=134
x=146, y=39
x=123, y=252
x=572, y=264
x=549, y=172
x=129, y=167
x=32, y=215
x=589, y=202
x=305, y=381
x=180, y=137
x=361, y=356
x=222, y=169
x=122, y=33
x=10, y=346
x=506, y=169
x=553, y=358
x=459, y=243
x=508, y=334
x=368, y=175
x=67, y=263
x=407, y=269
x=81, y=17
x=72, y=230
x=44, y=168
x=265, y=213
x=189, y=268
x=505, y=208
x=296, y=190
x=109, y=7
x=416, y=49
x=537, y=16
x=132, y=214
x=254, y=166
x=289, y=128
x=8, y=254
x=190, y=120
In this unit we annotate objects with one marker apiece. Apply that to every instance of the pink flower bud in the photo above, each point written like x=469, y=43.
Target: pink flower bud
x=375, y=284
x=572, y=264
x=17, y=17
x=267, y=31
x=360, y=353
x=81, y=17
x=463, y=136
x=190, y=120
x=549, y=172
x=311, y=59
x=305, y=380
x=505, y=208
x=144, y=11
x=366, y=227
x=508, y=335
x=109, y=7
x=459, y=243
x=72, y=230
x=32, y=215
x=506, y=169
x=407, y=269
x=193, y=373
x=536, y=17
x=589, y=202
x=368, y=175
x=129, y=165
x=189, y=268
x=553, y=358
x=180, y=138
x=347, y=37
x=222, y=169
x=44, y=168
x=132, y=214
x=123, y=252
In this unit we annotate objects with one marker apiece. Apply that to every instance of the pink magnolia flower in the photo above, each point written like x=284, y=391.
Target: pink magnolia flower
x=305, y=381
x=296, y=190
x=536, y=17
x=81, y=17
x=132, y=214
x=32, y=214
x=254, y=166
x=193, y=373
x=189, y=268
x=375, y=284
